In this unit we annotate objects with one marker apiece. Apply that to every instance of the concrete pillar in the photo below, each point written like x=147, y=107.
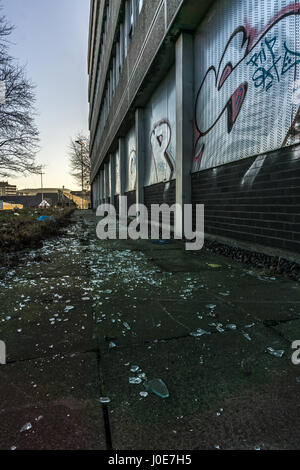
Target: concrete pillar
x=112, y=177
x=95, y=191
x=118, y=63
x=93, y=195
x=106, y=182
x=104, y=185
x=184, y=117
x=140, y=155
x=126, y=28
x=121, y=45
x=98, y=189
x=101, y=186
x=123, y=163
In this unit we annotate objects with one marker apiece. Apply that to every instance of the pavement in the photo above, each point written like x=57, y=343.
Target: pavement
x=82, y=319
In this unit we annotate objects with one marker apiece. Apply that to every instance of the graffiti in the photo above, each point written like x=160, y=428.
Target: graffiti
x=160, y=140
x=130, y=160
x=132, y=170
x=291, y=59
x=264, y=76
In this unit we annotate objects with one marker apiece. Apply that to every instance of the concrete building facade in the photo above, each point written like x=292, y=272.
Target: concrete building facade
x=199, y=102
x=7, y=189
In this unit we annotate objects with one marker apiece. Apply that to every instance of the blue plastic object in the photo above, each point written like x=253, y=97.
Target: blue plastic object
x=161, y=242
x=46, y=218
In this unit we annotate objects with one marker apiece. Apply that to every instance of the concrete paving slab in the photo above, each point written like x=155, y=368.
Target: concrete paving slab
x=290, y=331
x=201, y=375
x=58, y=398
x=38, y=329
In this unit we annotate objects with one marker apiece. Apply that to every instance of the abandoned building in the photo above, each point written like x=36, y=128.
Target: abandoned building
x=199, y=102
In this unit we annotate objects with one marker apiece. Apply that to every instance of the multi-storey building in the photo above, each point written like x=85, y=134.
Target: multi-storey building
x=7, y=189
x=199, y=102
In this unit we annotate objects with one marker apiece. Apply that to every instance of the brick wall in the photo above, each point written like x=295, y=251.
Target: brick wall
x=160, y=193
x=256, y=199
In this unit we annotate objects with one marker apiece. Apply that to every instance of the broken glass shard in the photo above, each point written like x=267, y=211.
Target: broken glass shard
x=135, y=380
x=26, y=427
x=158, y=387
x=219, y=328
x=276, y=353
x=199, y=333
x=105, y=400
x=247, y=336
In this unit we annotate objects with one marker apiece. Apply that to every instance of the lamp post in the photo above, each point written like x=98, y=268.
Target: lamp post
x=79, y=142
x=42, y=185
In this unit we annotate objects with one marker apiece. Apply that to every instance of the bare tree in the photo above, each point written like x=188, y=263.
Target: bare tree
x=80, y=163
x=19, y=136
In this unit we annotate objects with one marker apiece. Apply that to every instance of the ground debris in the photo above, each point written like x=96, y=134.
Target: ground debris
x=158, y=387
x=276, y=353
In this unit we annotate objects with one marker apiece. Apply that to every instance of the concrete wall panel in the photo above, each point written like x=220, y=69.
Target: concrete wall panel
x=130, y=155
x=247, y=56
x=160, y=133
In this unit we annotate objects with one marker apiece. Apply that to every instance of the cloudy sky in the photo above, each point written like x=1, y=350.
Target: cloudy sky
x=51, y=38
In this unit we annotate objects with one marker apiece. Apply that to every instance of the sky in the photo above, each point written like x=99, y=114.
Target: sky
x=51, y=39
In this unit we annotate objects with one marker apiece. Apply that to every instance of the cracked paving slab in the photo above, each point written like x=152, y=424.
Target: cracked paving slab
x=50, y=387
x=58, y=398
x=205, y=378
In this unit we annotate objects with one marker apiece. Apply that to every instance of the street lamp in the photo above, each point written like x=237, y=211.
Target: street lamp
x=42, y=185
x=79, y=142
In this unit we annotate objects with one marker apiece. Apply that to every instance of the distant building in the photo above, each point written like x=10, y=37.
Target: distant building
x=57, y=196
x=46, y=197
x=34, y=201
x=7, y=189
x=49, y=197
x=34, y=192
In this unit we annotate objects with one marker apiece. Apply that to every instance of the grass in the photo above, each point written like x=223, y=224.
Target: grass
x=21, y=230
